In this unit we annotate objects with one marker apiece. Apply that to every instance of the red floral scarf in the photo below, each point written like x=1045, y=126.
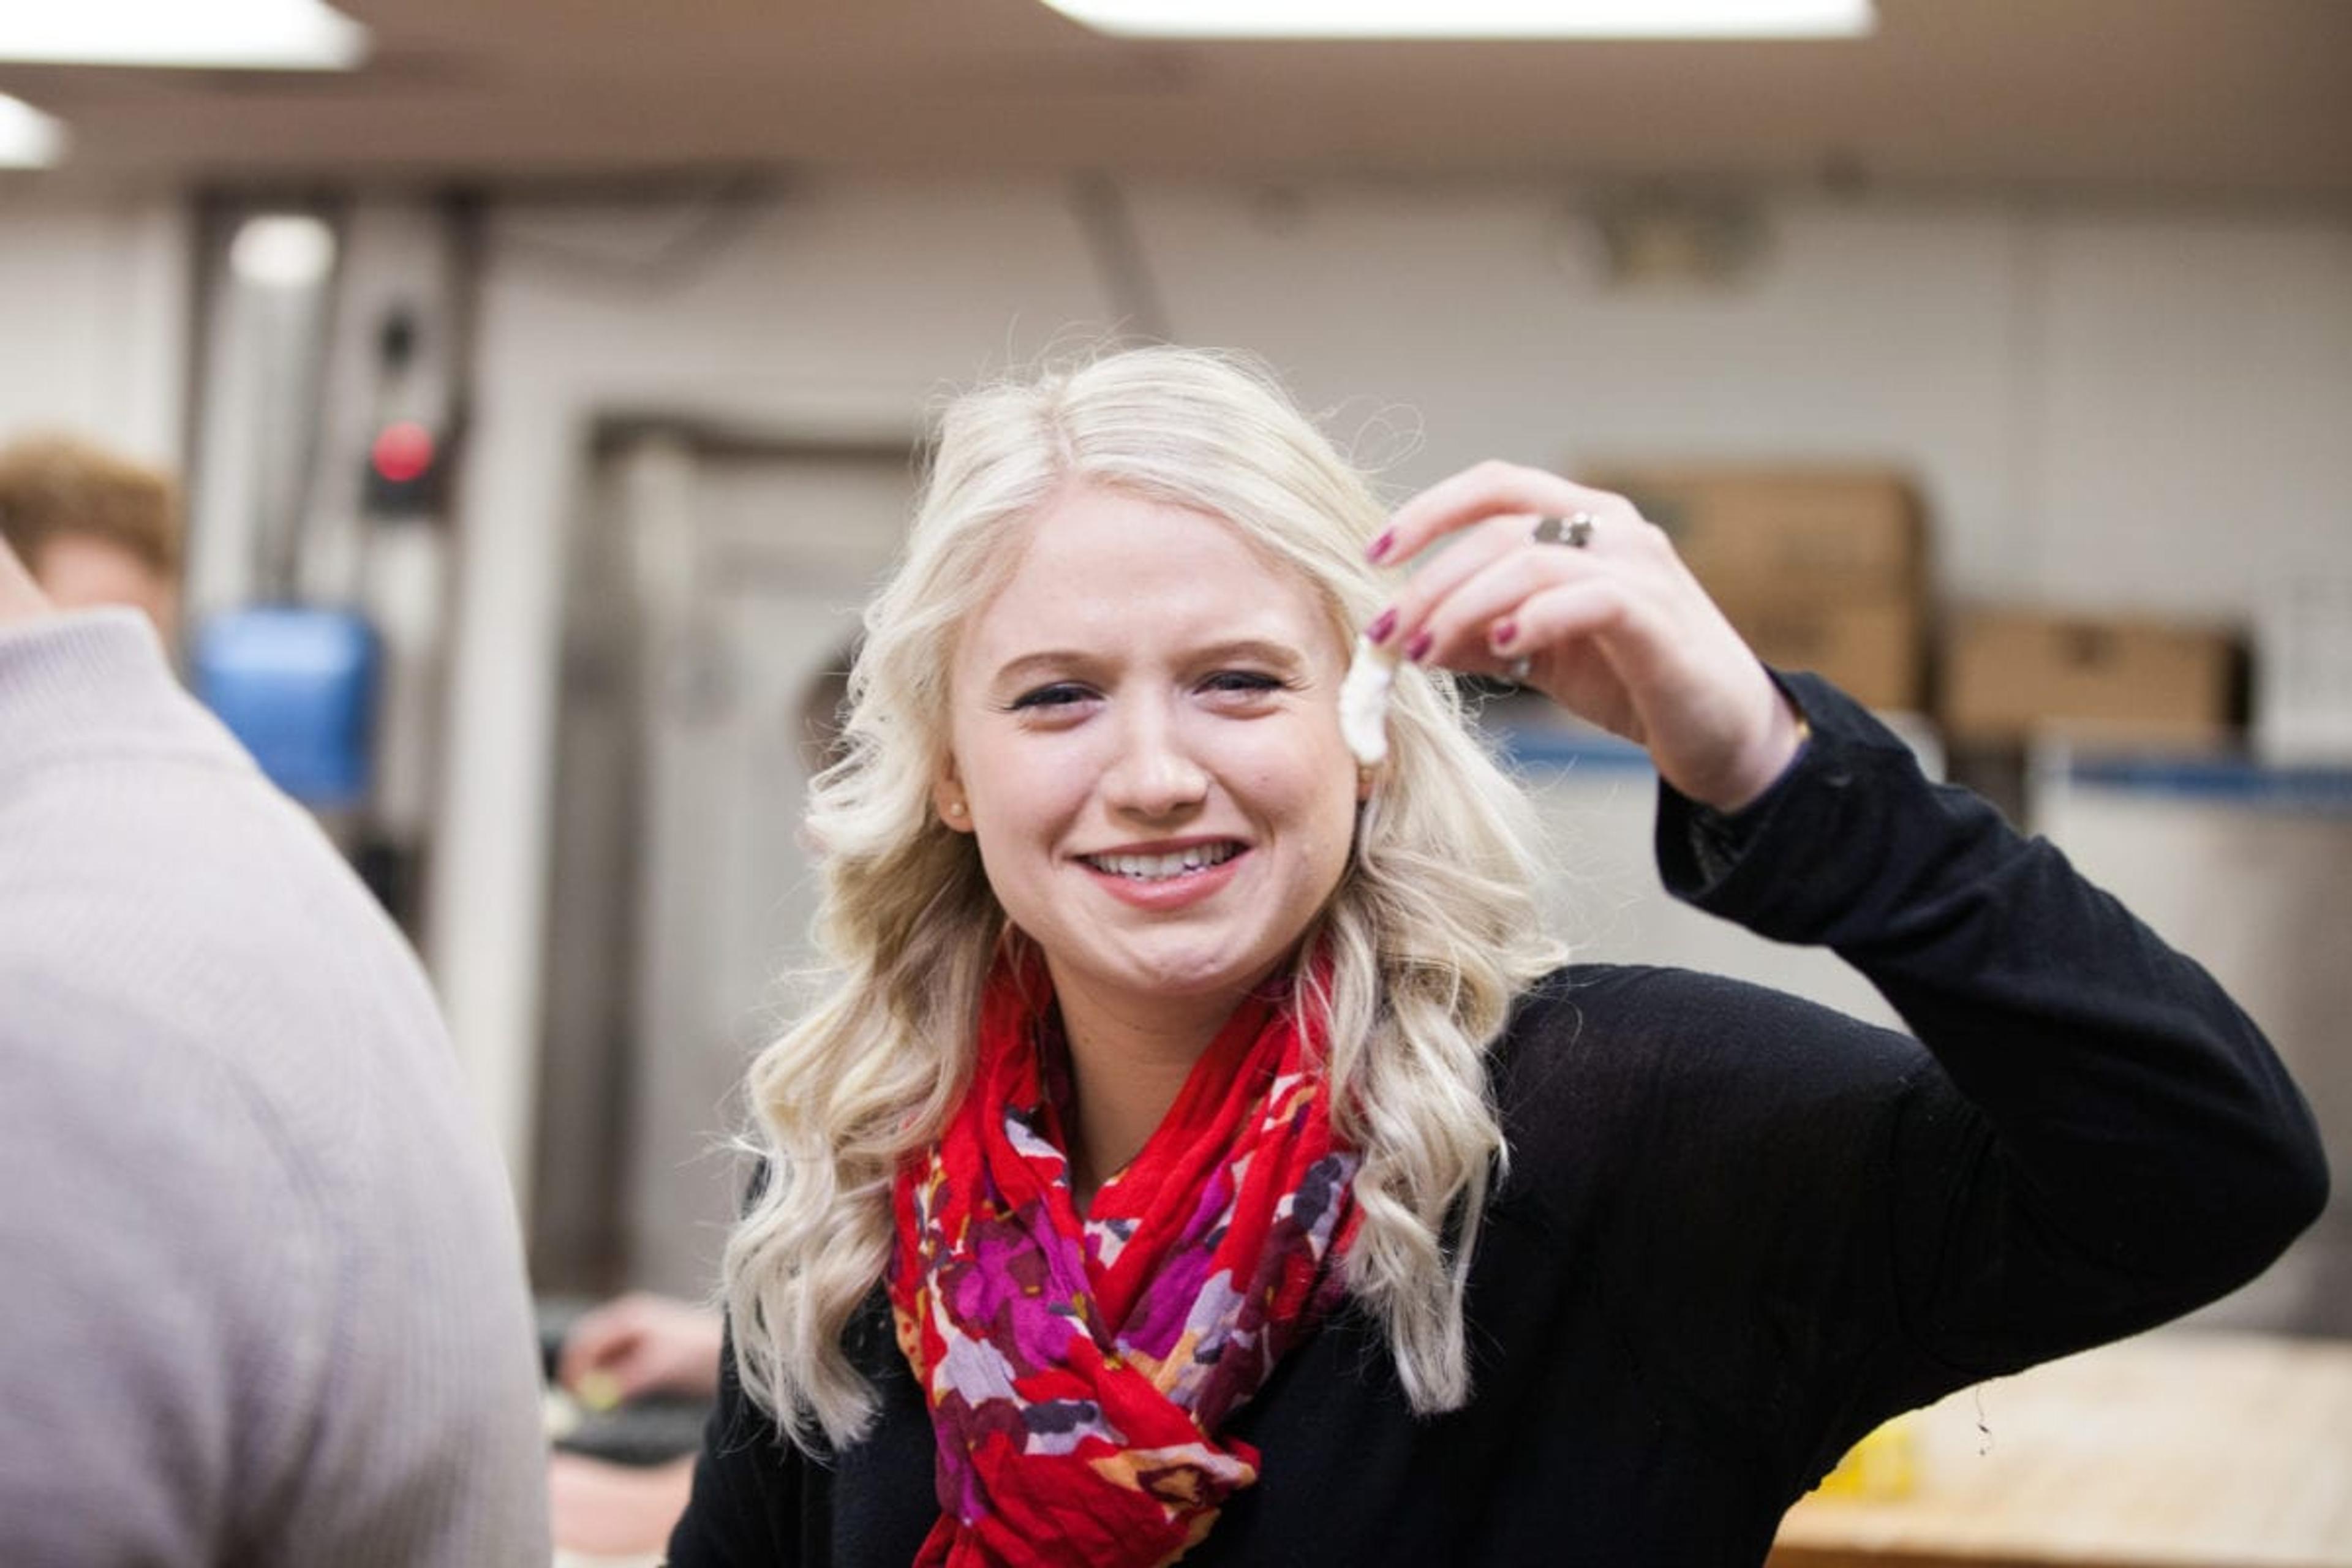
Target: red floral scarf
x=1077, y=1371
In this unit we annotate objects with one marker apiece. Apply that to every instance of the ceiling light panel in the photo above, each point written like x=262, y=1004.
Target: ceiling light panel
x=28, y=139
x=1474, y=18
x=252, y=34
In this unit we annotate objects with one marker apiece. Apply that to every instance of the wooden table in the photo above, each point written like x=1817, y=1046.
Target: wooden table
x=2182, y=1447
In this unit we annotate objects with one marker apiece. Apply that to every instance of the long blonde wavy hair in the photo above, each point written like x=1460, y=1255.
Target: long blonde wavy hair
x=1432, y=929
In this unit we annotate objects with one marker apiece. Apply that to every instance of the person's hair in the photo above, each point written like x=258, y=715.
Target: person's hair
x=1432, y=931
x=57, y=487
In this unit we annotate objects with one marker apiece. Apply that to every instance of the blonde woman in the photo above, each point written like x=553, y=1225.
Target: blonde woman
x=1201, y=1152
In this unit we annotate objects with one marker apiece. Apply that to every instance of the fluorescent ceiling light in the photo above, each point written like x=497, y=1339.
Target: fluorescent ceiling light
x=1474, y=18
x=28, y=139
x=255, y=34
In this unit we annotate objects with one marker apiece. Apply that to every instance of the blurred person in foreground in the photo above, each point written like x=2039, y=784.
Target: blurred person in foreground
x=93, y=527
x=266, y=1303
x=1201, y=1151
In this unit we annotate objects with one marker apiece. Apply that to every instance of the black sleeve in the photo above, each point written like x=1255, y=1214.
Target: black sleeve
x=744, y=1511
x=2095, y=1138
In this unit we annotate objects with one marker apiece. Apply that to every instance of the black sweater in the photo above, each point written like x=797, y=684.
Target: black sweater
x=1737, y=1230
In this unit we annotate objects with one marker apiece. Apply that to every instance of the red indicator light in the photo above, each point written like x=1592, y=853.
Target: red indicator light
x=402, y=451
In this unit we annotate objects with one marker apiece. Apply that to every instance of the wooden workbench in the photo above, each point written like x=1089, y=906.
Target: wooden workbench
x=2179, y=1449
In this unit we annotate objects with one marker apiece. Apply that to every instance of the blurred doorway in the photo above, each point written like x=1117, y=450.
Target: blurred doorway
x=710, y=611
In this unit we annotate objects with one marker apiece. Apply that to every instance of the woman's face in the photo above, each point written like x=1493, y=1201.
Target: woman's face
x=1145, y=733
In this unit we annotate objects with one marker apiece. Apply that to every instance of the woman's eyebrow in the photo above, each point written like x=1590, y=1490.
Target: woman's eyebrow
x=1251, y=650
x=1045, y=662
x=1040, y=664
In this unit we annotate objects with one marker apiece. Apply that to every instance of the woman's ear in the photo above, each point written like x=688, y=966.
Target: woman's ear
x=948, y=799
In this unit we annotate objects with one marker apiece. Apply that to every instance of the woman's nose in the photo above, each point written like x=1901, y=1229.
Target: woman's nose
x=1155, y=773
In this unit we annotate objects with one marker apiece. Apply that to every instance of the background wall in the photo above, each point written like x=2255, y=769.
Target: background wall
x=94, y=320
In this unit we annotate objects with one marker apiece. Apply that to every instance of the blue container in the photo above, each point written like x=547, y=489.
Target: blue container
x=298, y=687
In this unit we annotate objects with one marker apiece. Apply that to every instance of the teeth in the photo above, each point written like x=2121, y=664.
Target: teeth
x=1158, y=868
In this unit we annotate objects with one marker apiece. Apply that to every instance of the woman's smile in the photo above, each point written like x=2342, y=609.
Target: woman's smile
x=1159, y=877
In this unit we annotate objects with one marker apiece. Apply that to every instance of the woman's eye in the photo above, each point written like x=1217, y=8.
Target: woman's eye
x=1061, y=694
x=1244, y=680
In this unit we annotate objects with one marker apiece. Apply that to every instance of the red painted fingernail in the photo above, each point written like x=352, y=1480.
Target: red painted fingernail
x=1418, y=650
x=1381, y=546
x=1382, y=624
x=1505, y=633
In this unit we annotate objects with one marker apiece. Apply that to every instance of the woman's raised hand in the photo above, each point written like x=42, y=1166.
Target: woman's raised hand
x=1610, y=623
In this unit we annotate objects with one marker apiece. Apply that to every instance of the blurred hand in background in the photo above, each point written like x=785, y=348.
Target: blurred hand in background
x=641, y=1344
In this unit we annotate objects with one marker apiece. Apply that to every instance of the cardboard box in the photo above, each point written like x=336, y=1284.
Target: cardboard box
x=1872, y=648
x=2008, y=674
x=1821, y=569
x=1809, y=535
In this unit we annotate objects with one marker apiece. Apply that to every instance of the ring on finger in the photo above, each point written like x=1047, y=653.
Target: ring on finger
x=1575, y=530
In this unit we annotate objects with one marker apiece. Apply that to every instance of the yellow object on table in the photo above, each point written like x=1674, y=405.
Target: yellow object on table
x=1885, y=1465
x=599, y=1392
x=2184, y=1449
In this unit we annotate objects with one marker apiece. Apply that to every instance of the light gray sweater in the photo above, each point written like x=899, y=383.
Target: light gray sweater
x=264, y=1294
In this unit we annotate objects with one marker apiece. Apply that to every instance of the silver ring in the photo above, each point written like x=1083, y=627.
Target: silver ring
x=1575, y=530
x=1520, y=669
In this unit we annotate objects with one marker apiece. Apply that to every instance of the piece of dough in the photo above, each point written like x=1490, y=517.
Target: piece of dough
x=1364, y=703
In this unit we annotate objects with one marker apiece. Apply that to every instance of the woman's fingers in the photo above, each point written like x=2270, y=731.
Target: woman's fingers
x=1497, y=508
x=1442, y=612
x=1477, y=493
x=1612, y=624
x=1462, y=622
x=1443, y=576
x=1567, y=612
